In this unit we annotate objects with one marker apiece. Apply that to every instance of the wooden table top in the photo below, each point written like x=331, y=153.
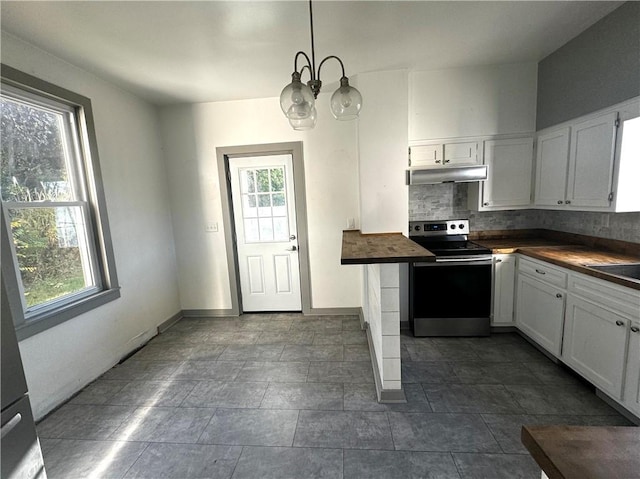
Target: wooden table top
x=358, y=248
x=585, y=452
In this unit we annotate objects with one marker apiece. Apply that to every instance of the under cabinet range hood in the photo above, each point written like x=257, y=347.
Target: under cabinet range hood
x=451, y=174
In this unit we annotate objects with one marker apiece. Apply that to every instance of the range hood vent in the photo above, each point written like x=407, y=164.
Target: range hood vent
x=452, y=174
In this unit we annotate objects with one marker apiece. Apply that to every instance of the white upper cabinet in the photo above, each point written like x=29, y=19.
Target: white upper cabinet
x=446, y=153
x=509, y=164
x=590, y=163
x=552, y=160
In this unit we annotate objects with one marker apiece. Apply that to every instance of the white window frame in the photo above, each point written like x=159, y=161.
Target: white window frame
x=87, y=183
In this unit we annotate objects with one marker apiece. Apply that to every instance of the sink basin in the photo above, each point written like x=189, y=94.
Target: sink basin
x=628, y=270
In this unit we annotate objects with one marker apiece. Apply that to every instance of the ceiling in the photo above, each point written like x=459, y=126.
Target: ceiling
x=183, y=51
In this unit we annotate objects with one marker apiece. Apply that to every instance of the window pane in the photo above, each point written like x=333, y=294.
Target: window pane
x=280, y=229
x=262, y=178
x=277, y=179
x=33, y=154
x=266, y=229
x=251, y=234
x=264, y=205
x=249, y=209
x=52, y=252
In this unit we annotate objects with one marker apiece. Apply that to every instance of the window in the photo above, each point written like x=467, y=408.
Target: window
x=54, y=218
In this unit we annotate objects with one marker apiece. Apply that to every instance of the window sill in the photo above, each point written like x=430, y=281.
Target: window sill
x=53, y=318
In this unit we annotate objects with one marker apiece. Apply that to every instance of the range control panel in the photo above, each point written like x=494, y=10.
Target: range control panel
x=439, y=228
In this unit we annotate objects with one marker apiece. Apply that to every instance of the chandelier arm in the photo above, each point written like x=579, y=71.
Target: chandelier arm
x=327, y=58
x=308, y=65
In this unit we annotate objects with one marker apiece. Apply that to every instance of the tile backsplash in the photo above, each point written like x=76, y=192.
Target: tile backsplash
x=449, y=201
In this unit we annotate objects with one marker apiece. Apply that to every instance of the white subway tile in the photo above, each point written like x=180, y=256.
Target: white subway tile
x=391, y=323
x=390, y=275
x=391, y=369
x=390, y=347
x=390, y=299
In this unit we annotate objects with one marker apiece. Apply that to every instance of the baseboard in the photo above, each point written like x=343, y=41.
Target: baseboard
x=363, y=324
x=504, y=329
x=208, y=313
x=384, y=395
x=162, y=327
x=333, y=311
x=618, y=407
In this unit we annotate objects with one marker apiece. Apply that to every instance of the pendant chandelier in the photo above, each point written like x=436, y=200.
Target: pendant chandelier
x=297, y=100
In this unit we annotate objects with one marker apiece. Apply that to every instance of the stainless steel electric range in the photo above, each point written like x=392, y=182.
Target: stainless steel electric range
x=451, y=296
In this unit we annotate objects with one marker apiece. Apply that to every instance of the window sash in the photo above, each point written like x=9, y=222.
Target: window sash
x=35, y=311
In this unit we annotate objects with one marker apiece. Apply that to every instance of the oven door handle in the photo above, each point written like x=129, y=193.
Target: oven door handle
x=456, y=261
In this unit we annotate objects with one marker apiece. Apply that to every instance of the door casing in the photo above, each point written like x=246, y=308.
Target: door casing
x=295, y=150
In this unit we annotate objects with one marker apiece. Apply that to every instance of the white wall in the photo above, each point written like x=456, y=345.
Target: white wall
x=191, y=134
x=472, y=101
x=61, y=360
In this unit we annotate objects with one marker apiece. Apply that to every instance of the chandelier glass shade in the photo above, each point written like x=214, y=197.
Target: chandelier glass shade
x=297, y=99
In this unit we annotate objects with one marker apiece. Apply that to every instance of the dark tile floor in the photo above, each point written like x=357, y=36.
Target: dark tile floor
x=287, y=396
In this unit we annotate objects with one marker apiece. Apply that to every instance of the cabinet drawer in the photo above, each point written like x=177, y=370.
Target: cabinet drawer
x=543, y=272
x=606, y=294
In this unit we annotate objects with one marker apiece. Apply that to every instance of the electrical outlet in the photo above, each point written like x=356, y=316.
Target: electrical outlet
x=211, y=227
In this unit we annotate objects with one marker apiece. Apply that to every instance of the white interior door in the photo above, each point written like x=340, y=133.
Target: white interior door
x=265, y=219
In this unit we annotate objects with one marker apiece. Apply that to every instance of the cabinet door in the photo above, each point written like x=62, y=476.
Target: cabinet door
x=426, y=155
x=540, y=313
x=509, y=165
x=591, y=161
x=461, y=153
x=504, y=282
x=552, y=157
x=594, y=344
x=632, y=384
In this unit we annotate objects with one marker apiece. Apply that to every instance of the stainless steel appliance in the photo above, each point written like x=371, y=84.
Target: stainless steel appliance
x=451, y=296
x=21, y=457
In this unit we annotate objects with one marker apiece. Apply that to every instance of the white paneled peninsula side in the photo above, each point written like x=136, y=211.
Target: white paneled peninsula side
x=381, y=254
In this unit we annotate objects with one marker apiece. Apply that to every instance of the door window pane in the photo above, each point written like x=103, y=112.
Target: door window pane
x=280, y=229
x=262, y=180
x=249, y=206
x=266, y=229
x=251, y=233
x=277, y=179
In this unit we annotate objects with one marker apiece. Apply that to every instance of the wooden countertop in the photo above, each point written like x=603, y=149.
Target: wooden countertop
x=566, y=255
x=584, y=452
x=358, y=248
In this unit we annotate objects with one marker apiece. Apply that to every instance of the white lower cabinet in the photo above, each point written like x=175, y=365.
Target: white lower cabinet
x=504, y=280
x=594, y=344
x=540, y=312
x=591, y=325
x=631, y=395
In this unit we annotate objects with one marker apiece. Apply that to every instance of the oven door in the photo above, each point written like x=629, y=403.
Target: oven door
x=451, y=297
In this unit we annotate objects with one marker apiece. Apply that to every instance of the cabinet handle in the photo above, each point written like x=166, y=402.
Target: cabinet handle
x=558, y=295
x=498, y=261
x=447, y=161
x=539, y=271
x=560, y=202
x=437, y=161
x=568, y=202
x=635, y=329
x=619, y=323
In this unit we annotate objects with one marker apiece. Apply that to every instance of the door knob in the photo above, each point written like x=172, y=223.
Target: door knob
x=293, y=248
x=292, y=237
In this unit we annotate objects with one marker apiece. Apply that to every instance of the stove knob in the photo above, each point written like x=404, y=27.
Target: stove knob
x=453, y=227
x=461, y=226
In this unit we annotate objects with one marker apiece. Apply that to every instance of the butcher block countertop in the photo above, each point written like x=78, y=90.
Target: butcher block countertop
x=584, y=452
x=567, y=251
x=358, y=248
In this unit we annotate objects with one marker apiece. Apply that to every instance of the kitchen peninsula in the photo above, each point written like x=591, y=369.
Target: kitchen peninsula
x=382, y=253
